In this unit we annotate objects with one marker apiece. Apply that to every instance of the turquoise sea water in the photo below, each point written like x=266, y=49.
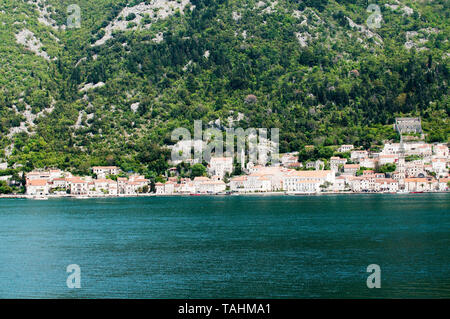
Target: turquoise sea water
x=227, y=246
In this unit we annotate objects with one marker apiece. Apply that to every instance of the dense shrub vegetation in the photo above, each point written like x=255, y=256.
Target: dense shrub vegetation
x=341, y=87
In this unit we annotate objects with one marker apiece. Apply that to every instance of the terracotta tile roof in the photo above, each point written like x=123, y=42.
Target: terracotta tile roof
x=37, y=182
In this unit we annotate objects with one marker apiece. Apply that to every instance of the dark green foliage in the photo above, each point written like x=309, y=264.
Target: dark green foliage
x=198, y=170
x=334, y=90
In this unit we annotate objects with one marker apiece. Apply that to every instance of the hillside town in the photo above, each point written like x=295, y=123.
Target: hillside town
x=409, y=166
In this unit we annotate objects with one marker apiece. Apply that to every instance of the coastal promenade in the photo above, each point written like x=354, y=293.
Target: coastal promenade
x=253, y=194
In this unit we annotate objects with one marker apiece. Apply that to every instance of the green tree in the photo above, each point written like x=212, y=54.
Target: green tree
x=198, y=170
x=5, y=188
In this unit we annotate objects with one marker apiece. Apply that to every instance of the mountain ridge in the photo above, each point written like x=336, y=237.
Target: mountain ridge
x=314, y=69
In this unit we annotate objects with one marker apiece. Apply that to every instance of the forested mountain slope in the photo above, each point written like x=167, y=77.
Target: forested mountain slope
x=112, y=90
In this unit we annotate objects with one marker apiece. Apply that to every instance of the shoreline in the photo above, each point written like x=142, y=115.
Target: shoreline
x=262, y=194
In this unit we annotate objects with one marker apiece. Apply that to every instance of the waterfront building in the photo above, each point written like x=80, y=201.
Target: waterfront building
x=112, y=188
x=443, y=184
x=169, y=187
x=418, y=184
x=291, y=178
x=386, y=185
x=254, y=182
x=136, y=184
x=275, y=175
x=159, y=188
x=211, y=187
x=356, y=183
x=200, y=179
x=77, y=186
x=306, y=186
x=187, y=188
x=339, y=184
x=37, y=187
x=237, y=183
x=59, y=183
x=121, y=185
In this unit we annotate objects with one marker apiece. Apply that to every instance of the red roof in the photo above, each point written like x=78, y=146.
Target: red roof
x=37, y=182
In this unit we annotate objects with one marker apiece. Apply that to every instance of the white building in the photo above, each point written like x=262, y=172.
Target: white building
x=38, y=175
x=386, y=185
x=212, y=187
x=351, y=169
x=391, y=149
x=420, y=184
x=335, y=162
x=220, y=166
x=443, y=184
x=237, y=183
x=368, y=162
x=345, y=148
x=37, y=187
x=291, y=178
x=78, y=186
x=288, y=158
x=103, y=171
x=387, y=159
x=414, y=169
x=339, y=184
x=306, y=186
x=358, y=155
x=317, y=165
x=420, y=149
x=439, y=166
x=440, y=150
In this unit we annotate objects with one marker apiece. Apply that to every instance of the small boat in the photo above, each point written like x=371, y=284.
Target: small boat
x=195, y=194
x=40, y=198
x=416, y=192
